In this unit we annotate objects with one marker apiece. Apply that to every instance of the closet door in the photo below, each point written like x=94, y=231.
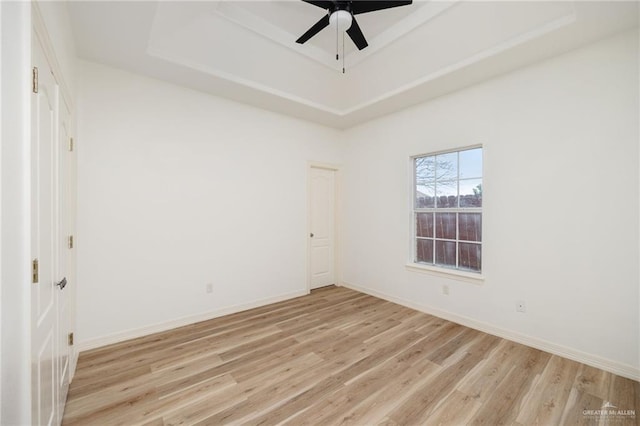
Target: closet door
x=47, y=279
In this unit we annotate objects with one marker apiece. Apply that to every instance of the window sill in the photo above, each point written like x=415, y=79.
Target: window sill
x=446, y=273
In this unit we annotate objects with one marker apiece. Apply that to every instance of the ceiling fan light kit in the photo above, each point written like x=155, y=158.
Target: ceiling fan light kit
x=342, y=18
x=343, y=14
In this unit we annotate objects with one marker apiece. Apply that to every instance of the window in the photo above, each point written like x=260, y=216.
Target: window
x=447, y=212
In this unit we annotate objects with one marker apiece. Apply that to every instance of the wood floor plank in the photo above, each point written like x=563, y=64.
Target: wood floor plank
x=91, y=384
x=577, y=404
x=334, y=357
x=504, y=404
x=456, y=409
x=551, y=395
x=442, y=353
x=482, y=381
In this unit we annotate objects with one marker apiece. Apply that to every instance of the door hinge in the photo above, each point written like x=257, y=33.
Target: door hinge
x=70, y=144
x=34, y=271
x=35, y=80
x=70, y=241
x=70, y=339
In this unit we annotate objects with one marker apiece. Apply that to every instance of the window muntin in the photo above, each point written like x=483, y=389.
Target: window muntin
x=447, y=216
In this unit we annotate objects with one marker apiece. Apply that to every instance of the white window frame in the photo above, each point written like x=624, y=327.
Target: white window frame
x=433, y=269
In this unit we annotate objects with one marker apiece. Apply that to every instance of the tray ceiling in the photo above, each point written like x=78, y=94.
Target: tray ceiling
x=246, y=50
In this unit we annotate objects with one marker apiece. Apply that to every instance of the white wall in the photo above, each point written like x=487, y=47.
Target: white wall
x=15, y=42
x=560, y=204
x=177, y=189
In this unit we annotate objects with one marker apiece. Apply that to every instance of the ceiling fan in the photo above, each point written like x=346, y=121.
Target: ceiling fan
x=342, y=13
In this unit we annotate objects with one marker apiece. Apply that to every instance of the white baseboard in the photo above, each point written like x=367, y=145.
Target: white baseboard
x=191, y=319
x=609, y=365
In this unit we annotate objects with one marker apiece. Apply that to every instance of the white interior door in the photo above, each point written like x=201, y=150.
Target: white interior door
x=44, y=243
x=322, y=227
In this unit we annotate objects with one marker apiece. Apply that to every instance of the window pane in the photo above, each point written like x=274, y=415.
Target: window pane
x=446, y=225
x=470, y=226
x=469, y=256
x=445, y=253
x=471, y=193
x=447, y=193
x=471, y=163
x=446, y=167
x=424, y=251
x=425, y=196
x=424, y=225
x=425, y=169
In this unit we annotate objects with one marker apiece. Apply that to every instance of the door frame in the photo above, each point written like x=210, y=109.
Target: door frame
x=15, y=325
x=336, y=208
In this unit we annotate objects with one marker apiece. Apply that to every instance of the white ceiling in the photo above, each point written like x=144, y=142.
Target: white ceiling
x=246, y=50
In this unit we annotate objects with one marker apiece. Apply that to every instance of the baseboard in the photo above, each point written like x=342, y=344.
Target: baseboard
x=191, y=319
x=611, y=366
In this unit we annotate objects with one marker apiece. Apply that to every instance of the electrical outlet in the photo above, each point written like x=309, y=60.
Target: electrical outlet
x=520, y=306
x=445, y=290
x=209, y=288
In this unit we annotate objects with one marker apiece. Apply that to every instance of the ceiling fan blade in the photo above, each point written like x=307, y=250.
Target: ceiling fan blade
x=356, y=35
x=365, y=6
x=324, y=4
x=322, y=23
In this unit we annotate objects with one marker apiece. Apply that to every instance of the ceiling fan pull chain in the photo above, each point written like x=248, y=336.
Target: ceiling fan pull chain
x=342, y=53
x=337, y=48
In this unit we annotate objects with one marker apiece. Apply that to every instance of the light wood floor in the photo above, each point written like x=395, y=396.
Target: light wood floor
x=337, y=356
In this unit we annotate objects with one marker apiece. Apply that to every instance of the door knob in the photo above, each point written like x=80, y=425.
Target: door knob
x=62, y=283
x=311, y=235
